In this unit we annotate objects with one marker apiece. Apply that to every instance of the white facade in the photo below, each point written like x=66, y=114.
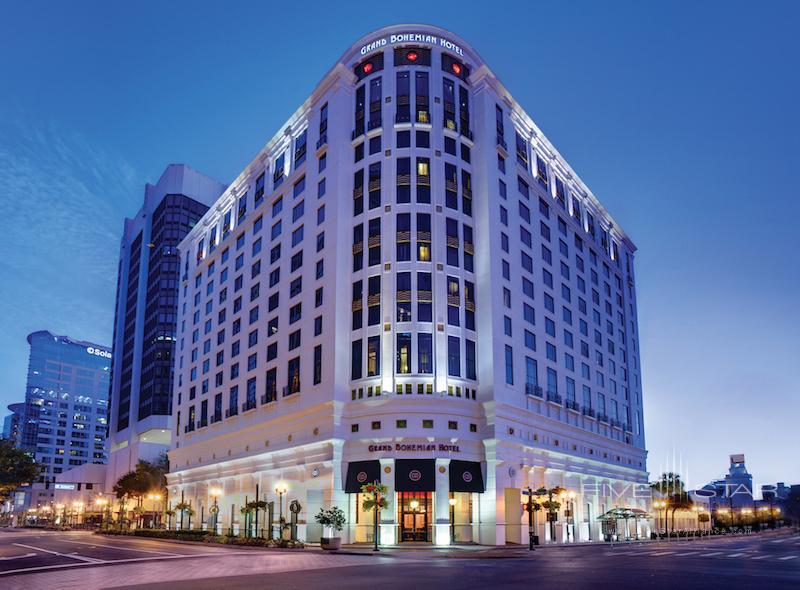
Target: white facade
x=462, y=300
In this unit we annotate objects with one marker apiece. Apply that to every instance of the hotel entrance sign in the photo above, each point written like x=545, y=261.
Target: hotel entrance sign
x=414, y=448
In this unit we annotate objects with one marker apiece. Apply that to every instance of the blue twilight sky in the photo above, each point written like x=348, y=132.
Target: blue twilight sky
x=681, y=116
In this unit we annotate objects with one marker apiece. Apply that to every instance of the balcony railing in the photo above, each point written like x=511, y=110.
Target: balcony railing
x=533, y=389
x=552, y=396
x=248, y=405
x=588, y=412
x=293, y=387
x=322, y=140
x=216, y=418
x=231, y=412
x=602, y=417
x=268, y=397
x=572, y=405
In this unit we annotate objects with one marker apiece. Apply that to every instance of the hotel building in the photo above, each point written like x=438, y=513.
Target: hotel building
x=146, y=316
x=409, y=283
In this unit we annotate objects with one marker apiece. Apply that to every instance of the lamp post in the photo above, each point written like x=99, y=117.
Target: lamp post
x=571, y=515
x=280, y=489
x=154, y=498
x=530, y=507
x=215, y=494
x=101, y=504
x=452, y=502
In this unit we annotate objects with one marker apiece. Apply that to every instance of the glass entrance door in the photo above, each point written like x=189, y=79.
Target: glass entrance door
x=414, y=516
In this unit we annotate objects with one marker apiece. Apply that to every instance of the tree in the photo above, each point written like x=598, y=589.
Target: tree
x=374, y=501
x=551, y=506
x=16, y=468
x=148, y=477
x=670, y=487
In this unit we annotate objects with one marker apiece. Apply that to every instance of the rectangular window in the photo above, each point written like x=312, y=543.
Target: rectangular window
x=425, y=353
x=454, y=356
x=404, y=353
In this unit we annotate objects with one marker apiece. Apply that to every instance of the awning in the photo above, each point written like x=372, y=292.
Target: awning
x=415, y=475
x=360, y=473
x=466, y=476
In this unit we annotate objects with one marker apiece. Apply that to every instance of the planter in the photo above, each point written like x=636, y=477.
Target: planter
x=330, y=544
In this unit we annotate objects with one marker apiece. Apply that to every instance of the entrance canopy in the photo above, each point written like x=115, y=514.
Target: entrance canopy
x=466, y=476
x=415, y=475
x=360, y=473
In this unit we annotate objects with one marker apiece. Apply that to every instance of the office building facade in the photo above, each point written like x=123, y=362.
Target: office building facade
x=65, y=418
x=145, y=315
x=409, y=284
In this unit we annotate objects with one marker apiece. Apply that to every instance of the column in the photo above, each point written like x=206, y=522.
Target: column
x=441, y=506
x=388, y=517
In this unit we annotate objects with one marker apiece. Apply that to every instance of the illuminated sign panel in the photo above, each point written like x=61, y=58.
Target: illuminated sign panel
x=98, y=352
x=412, y=38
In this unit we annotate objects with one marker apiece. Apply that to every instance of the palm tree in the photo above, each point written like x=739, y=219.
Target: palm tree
x=670, y=487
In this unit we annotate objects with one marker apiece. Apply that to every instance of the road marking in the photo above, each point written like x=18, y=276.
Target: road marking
x=17, y=556
x=735, y=554
x=69, y=555
x=663, y=553
x=779, y=540
x=760, y=557
x=712, y=554
x=788, y=557
x=122, y=548
x=115, y=561
x=684, y=553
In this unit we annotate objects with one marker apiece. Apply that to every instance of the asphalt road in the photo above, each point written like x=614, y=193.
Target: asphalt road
x=80, y=560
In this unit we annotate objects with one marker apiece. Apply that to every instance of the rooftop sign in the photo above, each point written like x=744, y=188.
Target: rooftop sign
x=412, y=38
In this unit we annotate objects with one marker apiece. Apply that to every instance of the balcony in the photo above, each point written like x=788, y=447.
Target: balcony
x=323, y=140
x=534, y=390
x=402, y=118
x=268, y=397
x=231, y=412
x=502, y=142
x=374, y=124
x=615, y=423
x=248, y=405
x=357, y=132
x=293, y=387
x=572, y=405
x=467, y=133
x=188, y=428
x=627, y=427
x=602, y=417
x=552, y=396
x=202, y=423
x=216, y=418
x=588, y=412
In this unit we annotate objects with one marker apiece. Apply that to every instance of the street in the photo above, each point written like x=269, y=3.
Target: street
x=43, y=559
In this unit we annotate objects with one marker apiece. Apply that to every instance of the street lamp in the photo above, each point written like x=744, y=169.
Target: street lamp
x=571, y=515
x=215, y=494
x=452, y=502
x=281, y=489
x=154, y=498
x=101, y=503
